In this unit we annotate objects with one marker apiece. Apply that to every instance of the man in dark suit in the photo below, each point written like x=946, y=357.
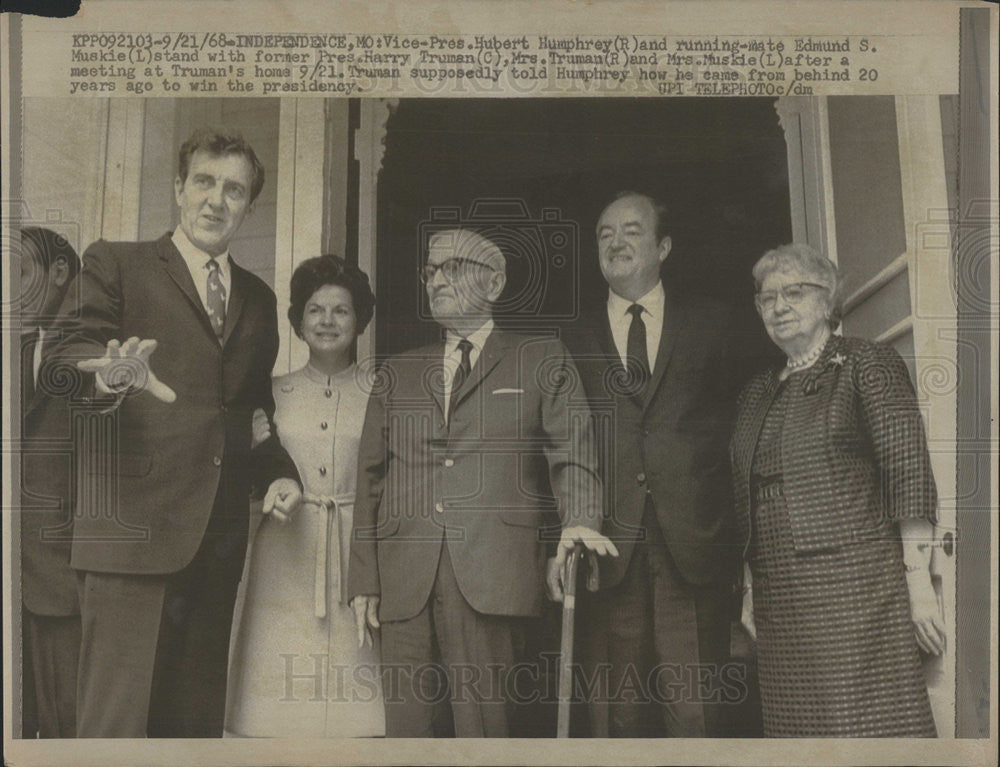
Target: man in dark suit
x=161, y=530
x=467, y=444
x=50, y=616
x=657, y=367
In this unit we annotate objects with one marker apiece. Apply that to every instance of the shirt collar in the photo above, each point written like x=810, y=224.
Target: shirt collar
x=652, y=302
x=477, y=338
x=195, y=257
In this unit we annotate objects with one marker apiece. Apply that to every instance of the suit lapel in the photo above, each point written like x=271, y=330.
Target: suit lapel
x=492, y=353
x=673, y=324
x=238, y=286
x=176, y=268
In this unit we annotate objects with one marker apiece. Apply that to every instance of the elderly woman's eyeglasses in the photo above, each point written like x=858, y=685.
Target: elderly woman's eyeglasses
x=793, y=293
x=450, y=269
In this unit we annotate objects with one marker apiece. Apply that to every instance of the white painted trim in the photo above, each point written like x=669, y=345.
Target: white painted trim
x=901, y=328
x=934, y=322
x=123, y=169
x=825, y=181
x=299, y=211
x=877, y=282
x=284, y=229
x=805, y=121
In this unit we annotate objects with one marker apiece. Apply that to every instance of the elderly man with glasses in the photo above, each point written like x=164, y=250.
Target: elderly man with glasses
x=467, y=444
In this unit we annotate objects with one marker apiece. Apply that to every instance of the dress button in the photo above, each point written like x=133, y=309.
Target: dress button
x=448, y=462
x=439, y=508
x=322, y=471
x=640, y=477
x=323, y=425
x=328, y=393
x=216, y=460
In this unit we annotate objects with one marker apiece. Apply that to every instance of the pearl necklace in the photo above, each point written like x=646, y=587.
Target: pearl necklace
x=806, y=361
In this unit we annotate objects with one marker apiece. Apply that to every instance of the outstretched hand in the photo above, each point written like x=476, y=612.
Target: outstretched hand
x=125, y=368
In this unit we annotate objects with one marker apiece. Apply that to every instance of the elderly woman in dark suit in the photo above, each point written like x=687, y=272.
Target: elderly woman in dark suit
x=836, y=501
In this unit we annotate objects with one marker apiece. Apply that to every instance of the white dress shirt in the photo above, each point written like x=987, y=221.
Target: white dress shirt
x=652, y=317
x=197, y=263
x=453, y=356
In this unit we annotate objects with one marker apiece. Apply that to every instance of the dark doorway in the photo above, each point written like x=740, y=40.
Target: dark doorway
x=533, y=172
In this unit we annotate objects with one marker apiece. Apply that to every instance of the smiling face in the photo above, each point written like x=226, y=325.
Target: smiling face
x=796, y=325
x=629, y=252
x=329, y=324
x=213, y=199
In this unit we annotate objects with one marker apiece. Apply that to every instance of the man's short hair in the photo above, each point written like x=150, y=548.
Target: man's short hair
x=470, y=244
x=49, y=247
x=659, y=210
x=218, y=141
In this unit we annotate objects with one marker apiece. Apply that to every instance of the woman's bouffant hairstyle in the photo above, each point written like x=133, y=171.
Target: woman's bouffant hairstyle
x=314, y=273
x=807, y=260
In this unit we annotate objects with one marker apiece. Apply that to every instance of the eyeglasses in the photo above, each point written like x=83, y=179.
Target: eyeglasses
x=793, y=293
x=450, y=269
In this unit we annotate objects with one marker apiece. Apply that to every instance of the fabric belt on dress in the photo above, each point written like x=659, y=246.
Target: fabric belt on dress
x=325, y=506
x=766, y=487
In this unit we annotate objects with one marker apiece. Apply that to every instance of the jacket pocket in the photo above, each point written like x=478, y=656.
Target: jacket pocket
x=529, y=519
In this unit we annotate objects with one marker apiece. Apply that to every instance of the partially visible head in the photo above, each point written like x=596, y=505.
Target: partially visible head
x=465, y=275
x=798, y=293
x=331, y=303
x=632, y=243
x=218, y=179
x=48, y=266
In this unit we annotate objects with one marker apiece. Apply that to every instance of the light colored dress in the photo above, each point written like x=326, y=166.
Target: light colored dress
x=295, y=667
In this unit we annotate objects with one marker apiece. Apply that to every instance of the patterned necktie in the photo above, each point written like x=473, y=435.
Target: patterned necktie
x=636, y=356
x=461, y=372
x=215, y=297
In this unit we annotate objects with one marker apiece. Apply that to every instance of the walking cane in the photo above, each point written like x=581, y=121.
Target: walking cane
x=566, y=644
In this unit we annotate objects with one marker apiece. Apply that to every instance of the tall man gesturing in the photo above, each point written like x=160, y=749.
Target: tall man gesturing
x=160, y=557
x=464, y=450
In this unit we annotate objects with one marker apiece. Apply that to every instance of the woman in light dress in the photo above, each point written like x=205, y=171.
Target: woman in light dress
x=296, y=667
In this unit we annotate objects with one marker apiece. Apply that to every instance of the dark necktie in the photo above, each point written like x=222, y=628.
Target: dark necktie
x=636, y=358
x=461, y=373
x=215, y=297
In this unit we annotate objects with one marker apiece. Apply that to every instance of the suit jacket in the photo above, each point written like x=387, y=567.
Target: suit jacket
x=669, y=444
x=517, y=447
x=853, y=451
x=152, y=470
x=48, y=584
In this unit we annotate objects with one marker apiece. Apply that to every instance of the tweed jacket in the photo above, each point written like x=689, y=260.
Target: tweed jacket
x=516, y=447
x=154, y=471
x=853, y=449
